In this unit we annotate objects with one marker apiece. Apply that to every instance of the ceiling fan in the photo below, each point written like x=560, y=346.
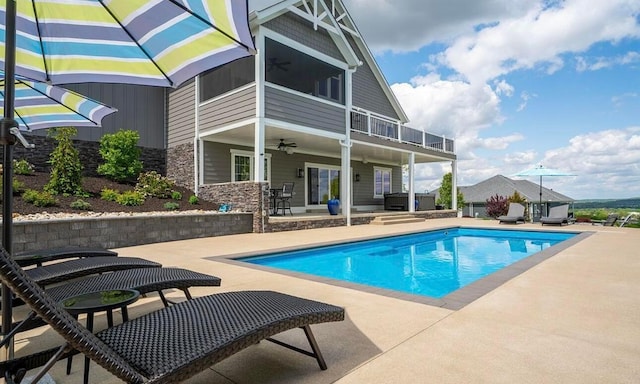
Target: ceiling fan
x=282, y=146
x=275, y=64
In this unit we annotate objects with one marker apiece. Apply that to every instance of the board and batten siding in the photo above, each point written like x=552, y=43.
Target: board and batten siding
x=140, y=109
x=181, y=117
x=234, y=107
x=217, y=162
x=299, y=110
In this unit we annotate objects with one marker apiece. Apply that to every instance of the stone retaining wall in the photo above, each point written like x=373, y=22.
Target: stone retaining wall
x=116, y=232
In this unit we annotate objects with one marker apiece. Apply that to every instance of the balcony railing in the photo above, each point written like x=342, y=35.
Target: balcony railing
x=379, y=126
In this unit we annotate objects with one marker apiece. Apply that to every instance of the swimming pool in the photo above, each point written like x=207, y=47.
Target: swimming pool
x=432, y=264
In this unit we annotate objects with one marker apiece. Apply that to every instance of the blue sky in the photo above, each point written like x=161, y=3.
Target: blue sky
x=518, y=83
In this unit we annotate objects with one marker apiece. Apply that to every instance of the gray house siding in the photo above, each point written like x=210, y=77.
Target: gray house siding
x=285, y=106
x=235, y=107
x=367, y=92
x=301, y=30
x=181, y=118
x=140, y=109
x=363, y=190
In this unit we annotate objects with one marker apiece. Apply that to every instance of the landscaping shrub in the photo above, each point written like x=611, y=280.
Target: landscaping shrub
x=23, y=167
x=109, y=194
x=66, y=169
x=175, y=195
x=171, y=206
x=121, y=155
x=152, y=184
x=39, y=199
x=193, y=200
x=17, y=186
x=80, y=205
x=130, y=198
x=497, y=206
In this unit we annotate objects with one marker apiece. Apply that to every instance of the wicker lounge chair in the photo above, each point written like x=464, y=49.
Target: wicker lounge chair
x=514, y=215
x=171, y=344
x=557, y=215
x=143, y=280
x=66, y=270
x=25, y=259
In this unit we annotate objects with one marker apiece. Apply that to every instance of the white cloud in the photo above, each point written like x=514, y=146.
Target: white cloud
x=520, y=158
x=594, y=64
x=524, y=100
x=504, y=88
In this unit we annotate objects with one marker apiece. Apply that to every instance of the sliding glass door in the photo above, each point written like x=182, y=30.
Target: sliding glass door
x=323, y=183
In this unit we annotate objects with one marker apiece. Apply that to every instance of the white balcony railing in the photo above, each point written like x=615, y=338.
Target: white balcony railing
x=379, y=126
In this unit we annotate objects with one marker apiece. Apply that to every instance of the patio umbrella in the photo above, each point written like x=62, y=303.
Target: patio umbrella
x=38, y=106
x=145, y=42
x=541, y=171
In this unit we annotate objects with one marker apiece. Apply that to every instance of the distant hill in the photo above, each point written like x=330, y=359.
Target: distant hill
x=633, y=203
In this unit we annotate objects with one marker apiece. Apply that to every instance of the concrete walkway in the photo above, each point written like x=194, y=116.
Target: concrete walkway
x=573, y=318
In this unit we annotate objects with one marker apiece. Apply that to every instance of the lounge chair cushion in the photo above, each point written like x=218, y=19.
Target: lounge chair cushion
x=514, y=215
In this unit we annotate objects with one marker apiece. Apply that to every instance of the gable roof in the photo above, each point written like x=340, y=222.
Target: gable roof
x=504, y=186
x=333, y=16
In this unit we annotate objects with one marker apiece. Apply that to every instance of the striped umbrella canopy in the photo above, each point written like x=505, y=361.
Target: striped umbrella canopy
x=38, y=106
x=147, y=42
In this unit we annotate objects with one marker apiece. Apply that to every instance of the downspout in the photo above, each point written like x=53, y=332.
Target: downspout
x=196, y=138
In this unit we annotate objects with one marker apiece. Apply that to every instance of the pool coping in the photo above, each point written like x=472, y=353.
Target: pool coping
x=453, y=301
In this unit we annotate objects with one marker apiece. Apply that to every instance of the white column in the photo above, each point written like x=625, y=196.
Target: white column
x=412, y=189
x=197, y=172
x=258, y=145
x=346, y=177
x=454, y=185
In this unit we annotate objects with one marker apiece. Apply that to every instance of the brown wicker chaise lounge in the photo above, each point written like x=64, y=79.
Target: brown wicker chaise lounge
x=37, y=257
x=171, y=344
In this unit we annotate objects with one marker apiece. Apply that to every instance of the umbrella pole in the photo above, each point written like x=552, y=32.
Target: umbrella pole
x=8, y=140
x=540, y=208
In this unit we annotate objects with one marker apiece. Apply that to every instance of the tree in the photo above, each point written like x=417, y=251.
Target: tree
x=66, y=168
x=497, y=206
x=445, y=195
x=121, y=155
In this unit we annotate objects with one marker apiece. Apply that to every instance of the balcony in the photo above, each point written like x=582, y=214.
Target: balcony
x=379, y=126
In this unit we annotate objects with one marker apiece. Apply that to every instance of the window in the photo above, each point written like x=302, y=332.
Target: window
x=295, y=70
x=381, y=181
x=226, y=78
x=242, y=166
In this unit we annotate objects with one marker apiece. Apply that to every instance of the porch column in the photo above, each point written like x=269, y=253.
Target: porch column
x=454, y=185
x=196, y=138
x=412, y=195
x=345, y=165
x=258, y=137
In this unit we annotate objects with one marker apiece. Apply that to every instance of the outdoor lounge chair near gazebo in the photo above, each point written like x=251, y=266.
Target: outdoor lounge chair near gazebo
x=557, y=215
x=514, y=215
x=171, y=344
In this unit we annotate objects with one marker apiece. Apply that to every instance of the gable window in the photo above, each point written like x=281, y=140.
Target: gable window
x=242, y=166
x=295, y=70
x=381, y=181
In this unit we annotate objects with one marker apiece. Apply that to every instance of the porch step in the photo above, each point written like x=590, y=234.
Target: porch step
x=396, y=219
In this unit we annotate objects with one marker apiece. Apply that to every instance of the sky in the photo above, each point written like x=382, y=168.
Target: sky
x=517, y=83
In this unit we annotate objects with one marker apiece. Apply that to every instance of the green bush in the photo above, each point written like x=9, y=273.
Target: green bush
x=18, y=187
x=66, y=169
x=121, y=155
x=175, y=195
x=109, y=194
x=193, y=200
x=130, y=198
x=39, y=199
x=171, y=206
x=80, y=205
x=23, y=167
x=152, y=184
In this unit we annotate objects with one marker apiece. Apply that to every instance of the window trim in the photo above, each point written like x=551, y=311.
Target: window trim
x=251, y=156
x=383, y=170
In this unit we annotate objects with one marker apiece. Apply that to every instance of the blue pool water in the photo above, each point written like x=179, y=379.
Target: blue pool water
x=433, y=263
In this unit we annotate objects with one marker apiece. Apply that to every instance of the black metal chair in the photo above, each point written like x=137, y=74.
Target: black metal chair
x=171, y=344
x=283, y=200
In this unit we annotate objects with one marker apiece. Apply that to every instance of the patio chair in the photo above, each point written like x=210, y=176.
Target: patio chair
x=609, y=222
x=143, y=280
x=171, y=344
x=514, y=215
x=41, y=256
x=283, y=199
x=557, y=215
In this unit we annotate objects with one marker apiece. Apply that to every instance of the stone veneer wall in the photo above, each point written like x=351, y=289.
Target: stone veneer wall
x=116, y=232
x=180, y=165
x=248, y=197
x=294, y=225
x=153, y=159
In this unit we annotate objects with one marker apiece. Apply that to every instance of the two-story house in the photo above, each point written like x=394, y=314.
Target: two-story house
x=312, y=108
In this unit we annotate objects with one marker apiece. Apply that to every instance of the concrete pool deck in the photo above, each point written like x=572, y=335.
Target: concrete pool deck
x=573, y=318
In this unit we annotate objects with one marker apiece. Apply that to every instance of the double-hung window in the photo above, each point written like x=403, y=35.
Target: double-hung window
x=242, y=166
x=381, y=181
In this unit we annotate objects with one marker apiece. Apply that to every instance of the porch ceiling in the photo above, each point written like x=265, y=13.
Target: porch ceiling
x=378, y=151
